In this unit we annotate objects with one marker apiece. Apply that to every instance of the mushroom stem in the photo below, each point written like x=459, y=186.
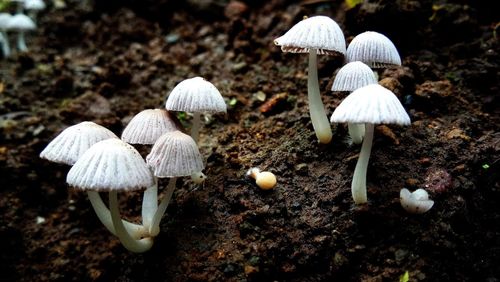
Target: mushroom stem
x=154, y=230
x=149, y=204
x=21, y=43
x=356, y=131
x=131, y=244
x=195, y=129
x=358, y=187
x=104, y=215
x=5, y=44
x=316, y=108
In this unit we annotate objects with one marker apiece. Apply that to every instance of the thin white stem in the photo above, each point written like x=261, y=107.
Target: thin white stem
x=316, y=108
x=21, y=43
x=195, y=129
x=155, y=225
x=149, y=204
x=358, y=187
x=5, y=44
x=131, y=244
x=357, y=132
x=104, y=215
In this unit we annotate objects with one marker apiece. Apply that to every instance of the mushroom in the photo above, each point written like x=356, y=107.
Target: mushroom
x=145, y=128
x=21, y=23
x=264, y=179
x=195, y=95
x=371, y=104
x=174, y=155
x=349, y=78
x=4, y=23
x=112, y=165
x=373, y=49
x=69, y=146
x=416, y=202
x=33, y=7
x=315, y=35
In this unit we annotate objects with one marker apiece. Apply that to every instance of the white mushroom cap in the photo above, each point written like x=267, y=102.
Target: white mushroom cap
x=147, y=126
x=195, y=95
x=371, y=104
x=21, y=22
x=72, y=142
x=4, y=20
x=110, y=165
x=417, y=202
x=175, y=154
x=35, y=5
x=352, y=76
x=373, y=49
x=318, y=32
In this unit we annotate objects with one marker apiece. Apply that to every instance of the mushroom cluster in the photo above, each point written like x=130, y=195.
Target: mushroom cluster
x=101, y=162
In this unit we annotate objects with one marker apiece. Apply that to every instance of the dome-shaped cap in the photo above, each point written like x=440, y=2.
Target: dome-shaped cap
x=4, y=20
x=72, y=142
x=352, y=76
x=371, y=104
x=195, y=95
x=175, y=154
x=318, y=32
x=21, y=22
x=373, y=49
x=35, y=5
x=110, y=165
x=147, y=126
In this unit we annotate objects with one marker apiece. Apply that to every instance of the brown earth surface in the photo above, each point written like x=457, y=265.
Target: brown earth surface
x=107, y=61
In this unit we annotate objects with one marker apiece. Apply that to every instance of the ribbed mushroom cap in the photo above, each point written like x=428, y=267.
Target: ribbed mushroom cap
x=35, y=5
x=110, y=165
x=175, y=154
x=371, y=104
x=373, y=49
x=147, y=126
x=72, y=142
x=195, y=95
x=21, y=22
x=4, y=20
x=352, y=76
x=318, y=32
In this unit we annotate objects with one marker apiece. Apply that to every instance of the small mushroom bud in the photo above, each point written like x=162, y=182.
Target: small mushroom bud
x=265, y=180
x=417, y=202
x=198, y=177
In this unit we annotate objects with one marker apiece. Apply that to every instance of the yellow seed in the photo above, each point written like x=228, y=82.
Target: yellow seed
x=266, y=180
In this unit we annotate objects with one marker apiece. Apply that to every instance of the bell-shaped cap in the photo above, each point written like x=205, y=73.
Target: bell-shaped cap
x=147, y=126
x=35, y=5
x=318, y=32
x=352, y=76
x=371, y=104
x=175, y=154
x=72, y=142
x=373, y=49
x=195, y=95
x=4, y=20
x=110, y=165
x=21, y=22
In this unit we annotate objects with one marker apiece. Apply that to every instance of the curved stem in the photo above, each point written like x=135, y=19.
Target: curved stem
x=131, y=244
x=316, y=108
x=104, y=216
x=21, y=43
x=195, y=129
x=149, y=204
x=357, y=132
x=5, y=44
x=358, y=187
x=155, y=225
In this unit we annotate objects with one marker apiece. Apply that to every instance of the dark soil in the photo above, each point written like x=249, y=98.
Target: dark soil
x=108, y=61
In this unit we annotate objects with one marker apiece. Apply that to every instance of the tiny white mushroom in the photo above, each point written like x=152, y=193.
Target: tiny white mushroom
x=373, y=49
x=21, y=23
x=417, y=202
x=264, y=179
x=315, y=35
